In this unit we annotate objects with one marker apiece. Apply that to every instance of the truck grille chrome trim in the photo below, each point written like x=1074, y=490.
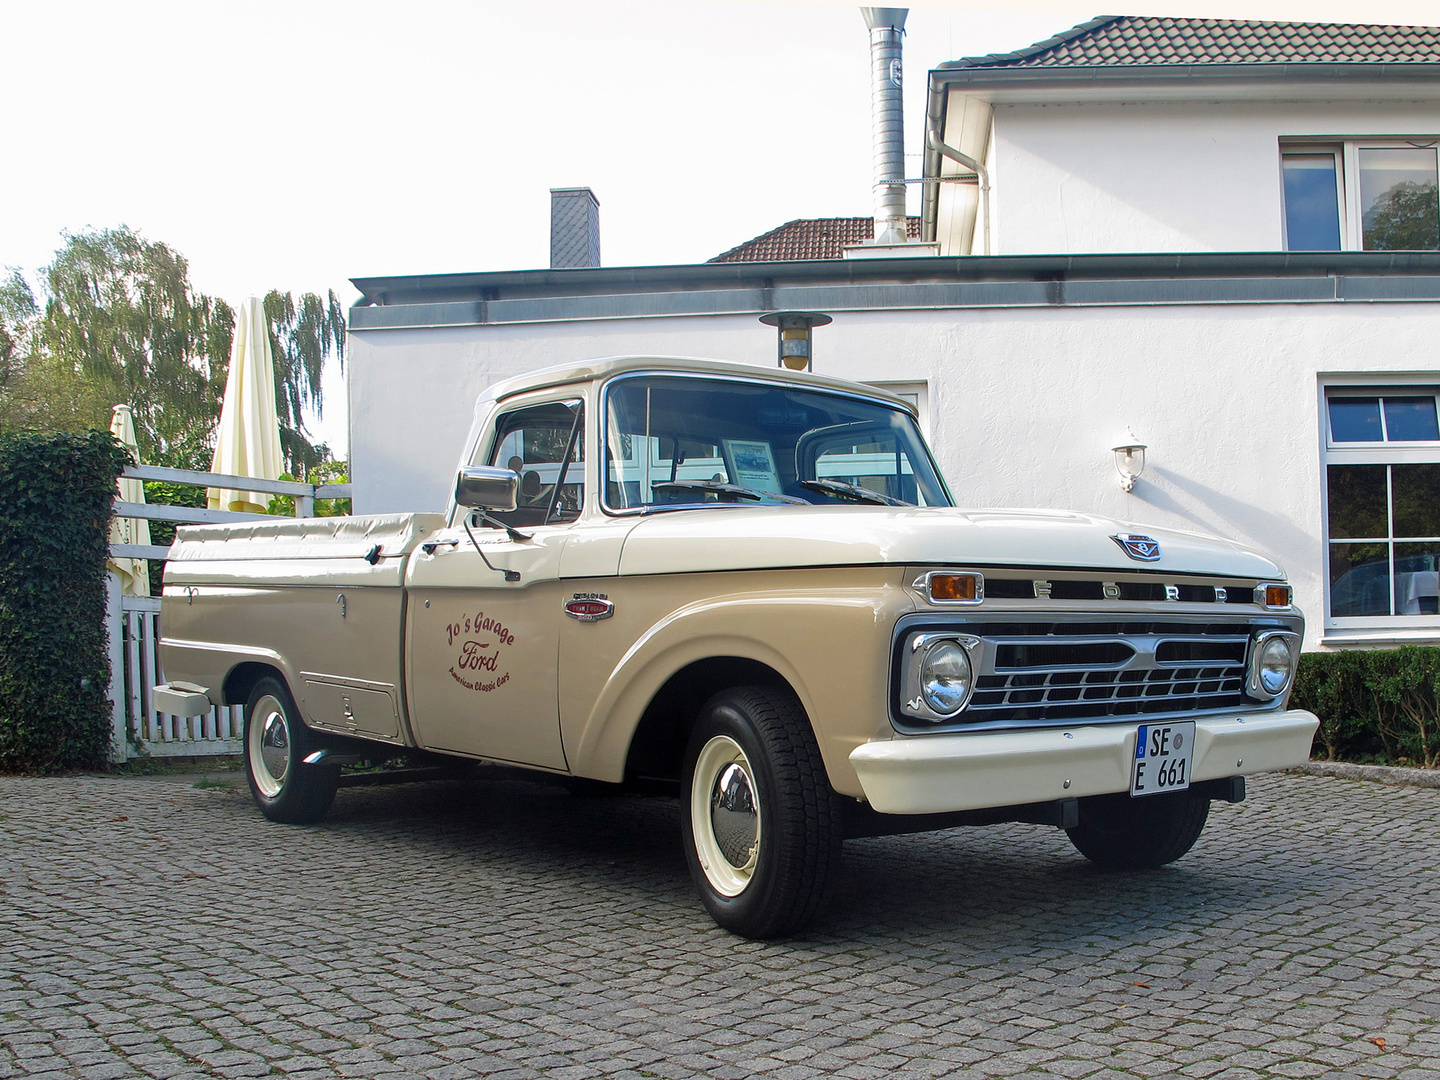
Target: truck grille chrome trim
x=1036, y=670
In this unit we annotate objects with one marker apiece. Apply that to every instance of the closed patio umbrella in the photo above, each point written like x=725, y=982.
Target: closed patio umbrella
x=248, y=441
x=134, y=574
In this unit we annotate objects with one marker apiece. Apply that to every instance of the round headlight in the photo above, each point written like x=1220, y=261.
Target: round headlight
x=946, y=677
x=1274, y=664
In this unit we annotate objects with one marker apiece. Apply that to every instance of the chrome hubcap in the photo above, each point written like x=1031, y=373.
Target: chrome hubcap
x=725, y=820
x=267, y=746
x=733, y=816
x=275, y=746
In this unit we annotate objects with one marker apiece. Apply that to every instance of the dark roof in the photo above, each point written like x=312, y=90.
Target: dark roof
x=810, y=238
x=1128, y=41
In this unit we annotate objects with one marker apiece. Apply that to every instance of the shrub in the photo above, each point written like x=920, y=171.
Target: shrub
x=56, y=491
x=1382, y=703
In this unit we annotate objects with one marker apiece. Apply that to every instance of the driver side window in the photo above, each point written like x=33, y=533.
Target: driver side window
x=543, y=444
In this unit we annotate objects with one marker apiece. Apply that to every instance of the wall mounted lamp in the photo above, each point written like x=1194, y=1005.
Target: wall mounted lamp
x=1129, y=459
x=794, y=327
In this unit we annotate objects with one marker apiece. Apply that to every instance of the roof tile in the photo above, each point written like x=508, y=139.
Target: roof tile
x=810, y=238
x=1127, y=41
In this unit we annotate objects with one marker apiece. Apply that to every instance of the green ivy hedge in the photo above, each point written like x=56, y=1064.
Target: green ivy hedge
x=56, y=492
x=1374, y=705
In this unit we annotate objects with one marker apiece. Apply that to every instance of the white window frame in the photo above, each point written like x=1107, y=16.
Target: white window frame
x=1371, y=629
x=1347, y=176
x=915, y=391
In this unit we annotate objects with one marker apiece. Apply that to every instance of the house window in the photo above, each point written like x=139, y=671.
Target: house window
x=916, y=393
x=1361, y=195
x=1382, y=519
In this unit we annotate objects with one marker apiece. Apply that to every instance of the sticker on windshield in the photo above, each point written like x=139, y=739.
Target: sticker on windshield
x=754, y=465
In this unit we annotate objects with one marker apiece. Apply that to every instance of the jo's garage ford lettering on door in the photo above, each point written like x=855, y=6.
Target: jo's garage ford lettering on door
x=753, y=587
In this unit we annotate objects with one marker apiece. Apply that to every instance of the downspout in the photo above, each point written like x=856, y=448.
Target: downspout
x=933, y=140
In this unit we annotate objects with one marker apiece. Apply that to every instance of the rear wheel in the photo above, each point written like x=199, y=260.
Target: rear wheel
x=1119, y=832
x=276, y=745
x=762, y=825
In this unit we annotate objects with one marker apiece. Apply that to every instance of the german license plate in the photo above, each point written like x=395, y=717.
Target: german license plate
x=1162, y=758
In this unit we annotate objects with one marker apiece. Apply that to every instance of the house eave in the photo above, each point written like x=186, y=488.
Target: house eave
x=837, y=285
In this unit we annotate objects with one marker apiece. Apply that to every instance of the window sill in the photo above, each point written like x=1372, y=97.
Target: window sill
x=1419, y=635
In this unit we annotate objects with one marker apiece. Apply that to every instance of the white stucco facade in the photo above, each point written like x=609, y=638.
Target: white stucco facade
x=1024, y=404
x=1110, y=213
x=1162, y=175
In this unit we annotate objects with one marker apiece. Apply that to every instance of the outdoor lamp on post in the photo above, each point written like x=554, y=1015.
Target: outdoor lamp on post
x=795, y=329
x=1129, y=459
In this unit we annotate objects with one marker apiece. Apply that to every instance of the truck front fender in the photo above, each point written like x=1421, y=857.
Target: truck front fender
x=831, y=650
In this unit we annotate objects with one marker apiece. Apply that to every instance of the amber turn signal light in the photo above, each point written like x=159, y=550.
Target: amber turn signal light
x=1277, y=595
x=961, y=587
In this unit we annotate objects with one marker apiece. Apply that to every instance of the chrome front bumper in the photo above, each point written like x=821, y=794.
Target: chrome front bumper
x=933, y=774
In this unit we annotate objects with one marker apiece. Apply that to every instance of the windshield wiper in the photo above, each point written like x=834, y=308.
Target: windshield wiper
x=721, y=490
x=854, y=491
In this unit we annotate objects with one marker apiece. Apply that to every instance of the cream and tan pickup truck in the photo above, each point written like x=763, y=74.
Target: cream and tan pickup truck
x=755, y=585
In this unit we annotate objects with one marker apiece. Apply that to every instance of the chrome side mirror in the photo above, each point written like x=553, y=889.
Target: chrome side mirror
x=487, y=487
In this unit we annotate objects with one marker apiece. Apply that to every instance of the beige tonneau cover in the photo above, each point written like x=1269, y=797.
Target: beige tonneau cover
x=304, y=538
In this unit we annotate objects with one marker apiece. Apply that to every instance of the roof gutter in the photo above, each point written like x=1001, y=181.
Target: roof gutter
x=945, y=78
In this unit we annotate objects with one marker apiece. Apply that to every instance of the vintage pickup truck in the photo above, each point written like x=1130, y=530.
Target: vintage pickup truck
x=752, y=586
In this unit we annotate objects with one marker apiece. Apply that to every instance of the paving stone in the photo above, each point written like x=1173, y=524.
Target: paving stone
x=506, y=929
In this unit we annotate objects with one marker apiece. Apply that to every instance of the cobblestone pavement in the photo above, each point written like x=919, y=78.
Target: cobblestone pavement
x=503, y=928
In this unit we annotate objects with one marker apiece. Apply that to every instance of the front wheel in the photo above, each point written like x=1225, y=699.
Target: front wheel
x=762, y=826
x=276, y=745
x=1120, y=832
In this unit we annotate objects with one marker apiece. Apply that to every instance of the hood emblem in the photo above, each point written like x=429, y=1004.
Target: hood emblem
x=589, y=607
x=1144, y=548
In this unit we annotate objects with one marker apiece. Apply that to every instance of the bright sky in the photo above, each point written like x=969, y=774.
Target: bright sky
x=299, y=143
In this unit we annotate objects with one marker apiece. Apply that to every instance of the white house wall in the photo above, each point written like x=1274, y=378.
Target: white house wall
x=1024, y=403
x=1163, y=176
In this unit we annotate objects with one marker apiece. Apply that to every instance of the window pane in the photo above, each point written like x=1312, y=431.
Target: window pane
x=1354, y=419
x=1416, y=591
x=1417, y=499
x=668, y=438
x=1399, y=209
x=1410, y=419
x=533, y=443
x=1312, y=208
x=1359, y=579
x=1357, y=502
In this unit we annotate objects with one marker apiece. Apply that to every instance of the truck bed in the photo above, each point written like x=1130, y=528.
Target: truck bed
x=319, y=599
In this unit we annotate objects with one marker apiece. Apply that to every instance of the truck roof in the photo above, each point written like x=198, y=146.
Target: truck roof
x=604, y=367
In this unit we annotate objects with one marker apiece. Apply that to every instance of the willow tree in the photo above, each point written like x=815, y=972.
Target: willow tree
x=302, y=334
x=120, y=322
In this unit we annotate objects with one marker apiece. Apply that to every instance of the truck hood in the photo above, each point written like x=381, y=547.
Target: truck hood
x=774, y=537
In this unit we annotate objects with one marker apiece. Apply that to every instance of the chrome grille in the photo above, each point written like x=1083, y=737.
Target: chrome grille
x=1031, y=670
x=1031, y=676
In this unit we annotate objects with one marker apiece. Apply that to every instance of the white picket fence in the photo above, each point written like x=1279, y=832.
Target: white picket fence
x=133, y=622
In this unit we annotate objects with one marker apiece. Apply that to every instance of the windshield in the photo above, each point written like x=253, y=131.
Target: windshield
x=673, y=441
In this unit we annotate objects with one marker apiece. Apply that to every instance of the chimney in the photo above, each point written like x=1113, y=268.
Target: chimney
x=575, y=228
x=887, y=107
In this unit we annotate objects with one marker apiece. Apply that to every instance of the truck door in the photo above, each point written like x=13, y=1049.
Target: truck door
x=484, y=610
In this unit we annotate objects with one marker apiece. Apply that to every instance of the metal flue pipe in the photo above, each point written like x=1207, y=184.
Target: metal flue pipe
x=887, y=107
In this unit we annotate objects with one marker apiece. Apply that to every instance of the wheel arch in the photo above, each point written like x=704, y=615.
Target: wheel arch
x=240, y=680
x=655, y=691
x=657, y=744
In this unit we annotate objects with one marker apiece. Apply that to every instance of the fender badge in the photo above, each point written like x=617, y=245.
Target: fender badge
x=589, y=607
x=1139, y=547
